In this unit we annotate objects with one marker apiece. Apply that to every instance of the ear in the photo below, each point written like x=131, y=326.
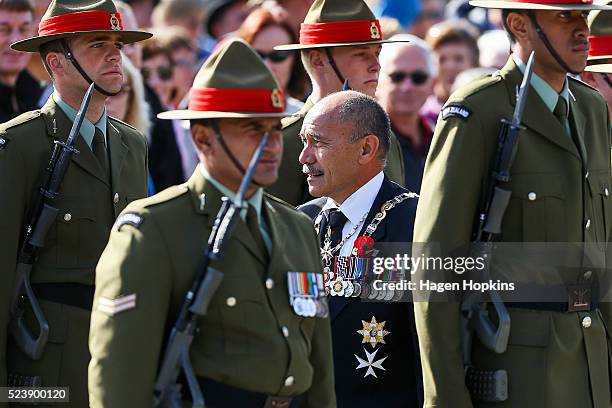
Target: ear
x=203, y=137
x=54, y=61
x=317, y=59
x=589, y=78
x=369, y=149
x=518, y=25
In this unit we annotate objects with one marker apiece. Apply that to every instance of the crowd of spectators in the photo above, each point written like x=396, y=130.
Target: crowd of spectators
x=451, y=44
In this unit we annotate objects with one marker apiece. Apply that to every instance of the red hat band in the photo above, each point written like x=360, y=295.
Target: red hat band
x=93, y=20
x=600, y=45
x=237, y=100
x=340, y=32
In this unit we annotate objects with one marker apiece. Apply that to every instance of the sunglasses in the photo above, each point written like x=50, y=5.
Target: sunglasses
x=274, y=56
x=606, y=78
x=164, y=73
x=416, y=77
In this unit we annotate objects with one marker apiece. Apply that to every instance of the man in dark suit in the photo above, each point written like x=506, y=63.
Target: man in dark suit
x=346, y=142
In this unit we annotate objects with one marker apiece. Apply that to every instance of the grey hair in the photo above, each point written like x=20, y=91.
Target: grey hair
x=414, y=42
x=367, y=117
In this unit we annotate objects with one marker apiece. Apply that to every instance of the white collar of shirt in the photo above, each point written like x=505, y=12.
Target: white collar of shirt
x=354, y=208
x=87, y=128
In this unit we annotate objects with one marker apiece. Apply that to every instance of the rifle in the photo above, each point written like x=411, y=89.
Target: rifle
x=34, y=238
x=167, y=391
x=492, y=385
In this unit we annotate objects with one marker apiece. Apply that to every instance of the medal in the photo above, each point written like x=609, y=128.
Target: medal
x=373, y=332
x=337, y=287
x=322, y=308
x=381, y=294
x=389, y=295
x=357, y=290
x=311, y=307
x=365, y=290
x=305, y=289
x=298, y=306
x=349, y=290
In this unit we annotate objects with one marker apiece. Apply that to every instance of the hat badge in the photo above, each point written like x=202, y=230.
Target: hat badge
x=374, y=31
x=114, y=22
x=277, y=101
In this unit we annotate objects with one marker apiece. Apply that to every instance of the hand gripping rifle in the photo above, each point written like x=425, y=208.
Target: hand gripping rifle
x=492, y=385
x=176, y=357
x=43, y=216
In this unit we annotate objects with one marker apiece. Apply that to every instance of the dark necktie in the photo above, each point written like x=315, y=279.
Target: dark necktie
x=253, y=225
x=98, y=147
x=560, y=112
x=335, y=220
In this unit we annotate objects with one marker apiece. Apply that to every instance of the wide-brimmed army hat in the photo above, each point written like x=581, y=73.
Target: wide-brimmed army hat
x=600, y=42
x=69, y=18
x=540, y=4
x=234, y=82
x=338, y=23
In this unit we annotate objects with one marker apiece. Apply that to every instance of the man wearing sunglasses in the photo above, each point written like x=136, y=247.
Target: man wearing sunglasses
x=556, y=353
x=406, y=81
x=339, y=41
x=598, y=72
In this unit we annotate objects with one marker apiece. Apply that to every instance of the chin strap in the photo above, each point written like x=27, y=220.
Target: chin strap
x=70, y=57
x=548, y=45
x=332, y=63
x=229, y=153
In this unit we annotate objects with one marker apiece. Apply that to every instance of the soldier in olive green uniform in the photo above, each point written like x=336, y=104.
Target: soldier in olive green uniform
x=251, y=345
x=80, y=43
x=339, y=40
x=560, y=184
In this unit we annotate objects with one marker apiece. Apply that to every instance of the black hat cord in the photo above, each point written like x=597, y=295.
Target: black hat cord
x=548, y=45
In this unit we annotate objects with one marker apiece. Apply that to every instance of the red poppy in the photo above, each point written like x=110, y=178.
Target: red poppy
x=363, y=246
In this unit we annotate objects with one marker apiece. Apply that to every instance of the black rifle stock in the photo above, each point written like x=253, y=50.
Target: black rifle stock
x=167, y=391
x=34, y=238
x=492, y=385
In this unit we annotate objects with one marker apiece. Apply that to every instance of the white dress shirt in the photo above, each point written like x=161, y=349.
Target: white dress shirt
x=354, y=208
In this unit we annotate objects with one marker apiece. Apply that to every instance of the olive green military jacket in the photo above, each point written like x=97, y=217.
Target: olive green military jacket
x=292, y=186
x=559, y=194
x=250, y=338
x=88, y=204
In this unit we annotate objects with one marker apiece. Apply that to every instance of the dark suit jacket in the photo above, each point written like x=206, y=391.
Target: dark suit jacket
x=164, y=155
x=400, y=383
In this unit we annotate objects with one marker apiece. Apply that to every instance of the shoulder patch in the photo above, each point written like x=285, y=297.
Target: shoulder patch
x=455, y=110
x=129, y=218
x=4, y=141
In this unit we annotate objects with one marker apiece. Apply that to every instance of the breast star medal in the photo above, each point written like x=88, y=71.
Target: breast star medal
x=373, y=332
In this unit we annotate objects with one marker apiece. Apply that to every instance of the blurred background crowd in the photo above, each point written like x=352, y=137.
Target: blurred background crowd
x=451, y=43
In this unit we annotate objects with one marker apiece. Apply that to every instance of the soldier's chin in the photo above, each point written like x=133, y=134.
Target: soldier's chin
x=266, y=179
